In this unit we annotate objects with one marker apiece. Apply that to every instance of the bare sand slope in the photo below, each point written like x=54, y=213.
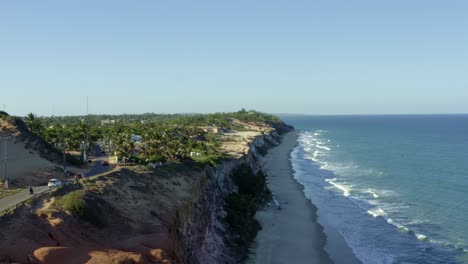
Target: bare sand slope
x=24, y=166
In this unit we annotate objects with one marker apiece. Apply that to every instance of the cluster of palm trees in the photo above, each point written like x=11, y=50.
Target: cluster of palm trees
x=171, y=138
x=72, y=135
x=162, y=143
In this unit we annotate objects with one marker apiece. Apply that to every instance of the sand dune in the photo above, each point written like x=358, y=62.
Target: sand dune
x=24, y=165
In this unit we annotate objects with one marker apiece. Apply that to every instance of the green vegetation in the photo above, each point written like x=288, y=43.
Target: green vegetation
x=34, y=123
x=161, y=138
x=218, y=119
x=242, y=206
x=263, y=150
x=74, y=202
x=77, y=202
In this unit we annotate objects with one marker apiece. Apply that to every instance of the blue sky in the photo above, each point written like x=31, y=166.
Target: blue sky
x=312, y=57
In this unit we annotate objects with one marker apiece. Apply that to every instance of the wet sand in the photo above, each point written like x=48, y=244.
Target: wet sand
x=290, y=234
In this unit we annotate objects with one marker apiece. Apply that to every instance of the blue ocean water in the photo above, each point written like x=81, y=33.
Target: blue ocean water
x=395, y=187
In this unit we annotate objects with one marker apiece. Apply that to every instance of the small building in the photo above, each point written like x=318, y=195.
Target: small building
x=107, y=122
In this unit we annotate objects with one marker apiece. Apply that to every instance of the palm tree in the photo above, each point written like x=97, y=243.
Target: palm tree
x=33, y=123
x=124, y=144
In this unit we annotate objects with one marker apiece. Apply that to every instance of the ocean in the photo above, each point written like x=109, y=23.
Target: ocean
x=395, y=186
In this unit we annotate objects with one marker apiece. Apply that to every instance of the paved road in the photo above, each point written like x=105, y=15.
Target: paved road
x=19, y=197
x=98, y=168
x=23, y=195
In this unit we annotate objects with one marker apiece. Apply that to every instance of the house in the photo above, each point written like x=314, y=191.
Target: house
x=106, y=122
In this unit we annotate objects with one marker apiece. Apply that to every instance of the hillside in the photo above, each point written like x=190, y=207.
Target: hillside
x=31, y=160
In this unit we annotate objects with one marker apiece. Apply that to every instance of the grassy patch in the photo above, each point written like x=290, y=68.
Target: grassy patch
x=78, y=203
x=205, y=160
x=74, y=202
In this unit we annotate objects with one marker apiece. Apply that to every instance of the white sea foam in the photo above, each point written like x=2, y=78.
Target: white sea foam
x=376, y=212
x=421, y=236
x=374, y=194
x=324, y=165
x=387, y=193
x=399, y=226
x=322, y=147
x=315, y=155
x=344, y=188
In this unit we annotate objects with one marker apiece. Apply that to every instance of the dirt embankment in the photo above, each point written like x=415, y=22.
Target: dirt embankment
x=126, y=216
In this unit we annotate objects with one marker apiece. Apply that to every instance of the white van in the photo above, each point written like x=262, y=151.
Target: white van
x=54, y=183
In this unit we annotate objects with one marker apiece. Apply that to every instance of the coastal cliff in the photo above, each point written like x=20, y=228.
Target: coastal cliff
x=202, y=234
x=172, y=214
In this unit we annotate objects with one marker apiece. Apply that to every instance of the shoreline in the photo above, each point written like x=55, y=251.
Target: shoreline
x=293, y=234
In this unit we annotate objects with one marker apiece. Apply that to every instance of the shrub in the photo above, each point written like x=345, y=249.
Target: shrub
x=241, y=207
x=74, y=202
x=263, y=150
x=156, y=158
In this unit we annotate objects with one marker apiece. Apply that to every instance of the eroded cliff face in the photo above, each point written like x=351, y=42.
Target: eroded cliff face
x=202, y=235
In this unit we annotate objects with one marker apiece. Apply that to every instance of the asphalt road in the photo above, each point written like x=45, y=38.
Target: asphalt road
x=98, y=168
x=23, y=195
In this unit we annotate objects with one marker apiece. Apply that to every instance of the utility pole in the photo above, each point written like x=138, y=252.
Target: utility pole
x=86, y=145
x=5, y=165
x=5, y=171
x=64, y=154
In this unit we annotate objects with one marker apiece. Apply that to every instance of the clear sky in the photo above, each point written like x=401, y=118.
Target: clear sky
x=313, y=57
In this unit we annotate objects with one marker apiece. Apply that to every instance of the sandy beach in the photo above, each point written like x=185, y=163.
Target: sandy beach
x=291, y=234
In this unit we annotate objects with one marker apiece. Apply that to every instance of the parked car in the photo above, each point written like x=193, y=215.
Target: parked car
x=105, y=163
x=54, y=183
